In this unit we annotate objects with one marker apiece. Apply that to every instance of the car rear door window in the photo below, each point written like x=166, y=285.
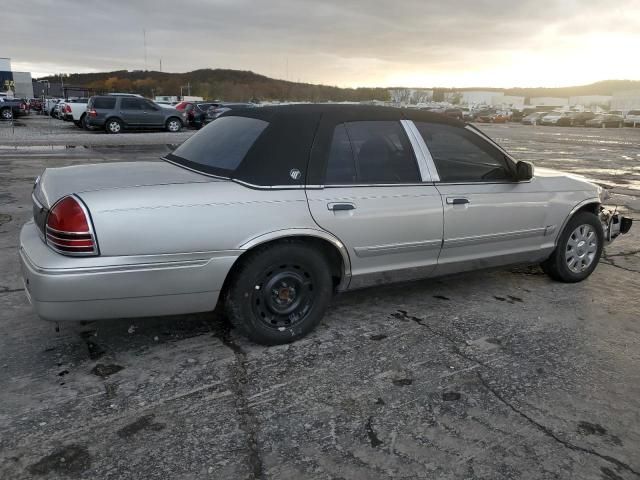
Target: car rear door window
x=462, y=155
x=221, y=146
x=104, y=103
x=371, y=152
x=132, y=104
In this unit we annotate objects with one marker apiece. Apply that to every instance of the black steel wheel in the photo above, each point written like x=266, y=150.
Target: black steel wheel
x=279, y=293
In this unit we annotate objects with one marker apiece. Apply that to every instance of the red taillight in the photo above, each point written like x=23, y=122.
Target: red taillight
x=67, y=109
x=69, y=228
x=92, y=113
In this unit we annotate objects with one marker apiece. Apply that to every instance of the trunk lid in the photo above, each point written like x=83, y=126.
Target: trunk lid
x=55, y=183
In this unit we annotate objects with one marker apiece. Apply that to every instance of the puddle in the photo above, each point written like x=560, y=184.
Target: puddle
x=103, y=371
x=450, y=396
x=72, y=459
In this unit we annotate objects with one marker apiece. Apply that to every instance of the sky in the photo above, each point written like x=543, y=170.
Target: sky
x=348, y=43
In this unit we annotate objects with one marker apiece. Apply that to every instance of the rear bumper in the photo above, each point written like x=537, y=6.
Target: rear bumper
x=95, y=122
x=64, y=288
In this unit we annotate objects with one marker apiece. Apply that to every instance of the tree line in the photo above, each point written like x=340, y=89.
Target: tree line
x=228, y=85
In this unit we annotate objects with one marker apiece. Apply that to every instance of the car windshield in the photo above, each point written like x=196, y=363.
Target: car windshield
x=220, y=147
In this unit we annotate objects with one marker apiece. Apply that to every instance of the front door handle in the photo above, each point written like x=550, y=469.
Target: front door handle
x=457, y=201
x=339, y=207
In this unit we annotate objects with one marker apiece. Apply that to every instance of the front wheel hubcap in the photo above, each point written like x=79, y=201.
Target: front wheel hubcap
x=581, y=249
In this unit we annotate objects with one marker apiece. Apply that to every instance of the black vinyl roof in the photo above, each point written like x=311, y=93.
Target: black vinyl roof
x=371, y=112
x=292, y=149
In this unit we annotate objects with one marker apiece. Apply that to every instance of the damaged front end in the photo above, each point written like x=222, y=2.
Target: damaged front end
x=613, y=224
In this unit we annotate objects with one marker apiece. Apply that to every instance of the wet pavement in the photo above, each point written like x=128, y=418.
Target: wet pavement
x=489, y=375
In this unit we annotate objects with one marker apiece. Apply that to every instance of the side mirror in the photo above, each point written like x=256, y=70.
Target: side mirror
x=524, y=171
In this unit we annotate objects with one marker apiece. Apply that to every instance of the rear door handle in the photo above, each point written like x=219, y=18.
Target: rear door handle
x=457, y=201
x=338, y=207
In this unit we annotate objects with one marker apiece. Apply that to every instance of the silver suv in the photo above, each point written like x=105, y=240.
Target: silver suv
x=272, y=210
x=114, y=113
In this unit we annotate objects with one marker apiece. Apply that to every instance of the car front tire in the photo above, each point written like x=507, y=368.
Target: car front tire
x=578, y=250
x=6, y=114
x=173, y=125
x=279, y=293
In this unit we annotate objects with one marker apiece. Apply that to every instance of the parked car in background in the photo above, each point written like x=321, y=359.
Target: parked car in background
x=620, y=113
x=632, y=119
x=57, y=108
x=454, y=113
x=11, y=108
x=484, y=116
x=516, y=116
x=604, y=120
x=500, y=117
x=215, y=112
x=533, y=118
x=115, y=113
x=197, y=112
x=75, y=110
x=272, y=210
x=552, y=118
x=575, y=119
x=35, y=104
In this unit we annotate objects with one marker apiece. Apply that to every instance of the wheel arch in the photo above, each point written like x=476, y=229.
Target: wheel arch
x=333, y=249
x=114, y=117
x=591, y=205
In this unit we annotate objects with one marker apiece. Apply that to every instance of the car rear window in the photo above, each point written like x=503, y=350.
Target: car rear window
x=104, y=102
x=220, y=147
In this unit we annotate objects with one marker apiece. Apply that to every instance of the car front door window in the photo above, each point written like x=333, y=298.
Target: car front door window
x=461, y=155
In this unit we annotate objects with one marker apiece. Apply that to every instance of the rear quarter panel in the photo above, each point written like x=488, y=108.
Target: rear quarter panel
x=196, y=217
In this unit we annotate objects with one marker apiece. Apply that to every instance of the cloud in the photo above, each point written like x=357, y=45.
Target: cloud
x=352, y=42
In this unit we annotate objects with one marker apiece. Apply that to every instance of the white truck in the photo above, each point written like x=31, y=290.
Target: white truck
x=74, y=110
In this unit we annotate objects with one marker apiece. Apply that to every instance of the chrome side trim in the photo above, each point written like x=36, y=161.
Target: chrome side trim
x=426, y=153
x=36, y=201
x=374, y=251
x=479, y=239
x=425, y=174
x=307, y=232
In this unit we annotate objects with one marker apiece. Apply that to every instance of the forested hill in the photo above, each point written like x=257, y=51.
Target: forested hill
x=239, y=85
x=229, y=85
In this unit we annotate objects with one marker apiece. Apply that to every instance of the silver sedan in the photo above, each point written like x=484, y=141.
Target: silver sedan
x=273, y=210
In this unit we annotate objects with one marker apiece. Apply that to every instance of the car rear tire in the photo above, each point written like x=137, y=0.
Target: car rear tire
x=6, y=114
x=279, y=293
x=113, y=126
x=173, y=125
x=578, y=250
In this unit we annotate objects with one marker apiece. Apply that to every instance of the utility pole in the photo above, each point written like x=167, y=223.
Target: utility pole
x=160, y=65
x=144, y=41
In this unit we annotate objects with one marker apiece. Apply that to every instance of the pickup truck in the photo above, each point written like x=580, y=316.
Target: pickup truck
x=12, y=107
x=74, y=110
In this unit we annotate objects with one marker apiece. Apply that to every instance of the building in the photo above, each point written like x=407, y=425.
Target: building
x=549, y=102
x=590, y=101
x=480, y=97
x=410, y=95
x=16, y=84
x=626, y=100
x=508, y=101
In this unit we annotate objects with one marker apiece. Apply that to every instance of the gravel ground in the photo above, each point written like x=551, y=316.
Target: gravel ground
x=490, y=375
